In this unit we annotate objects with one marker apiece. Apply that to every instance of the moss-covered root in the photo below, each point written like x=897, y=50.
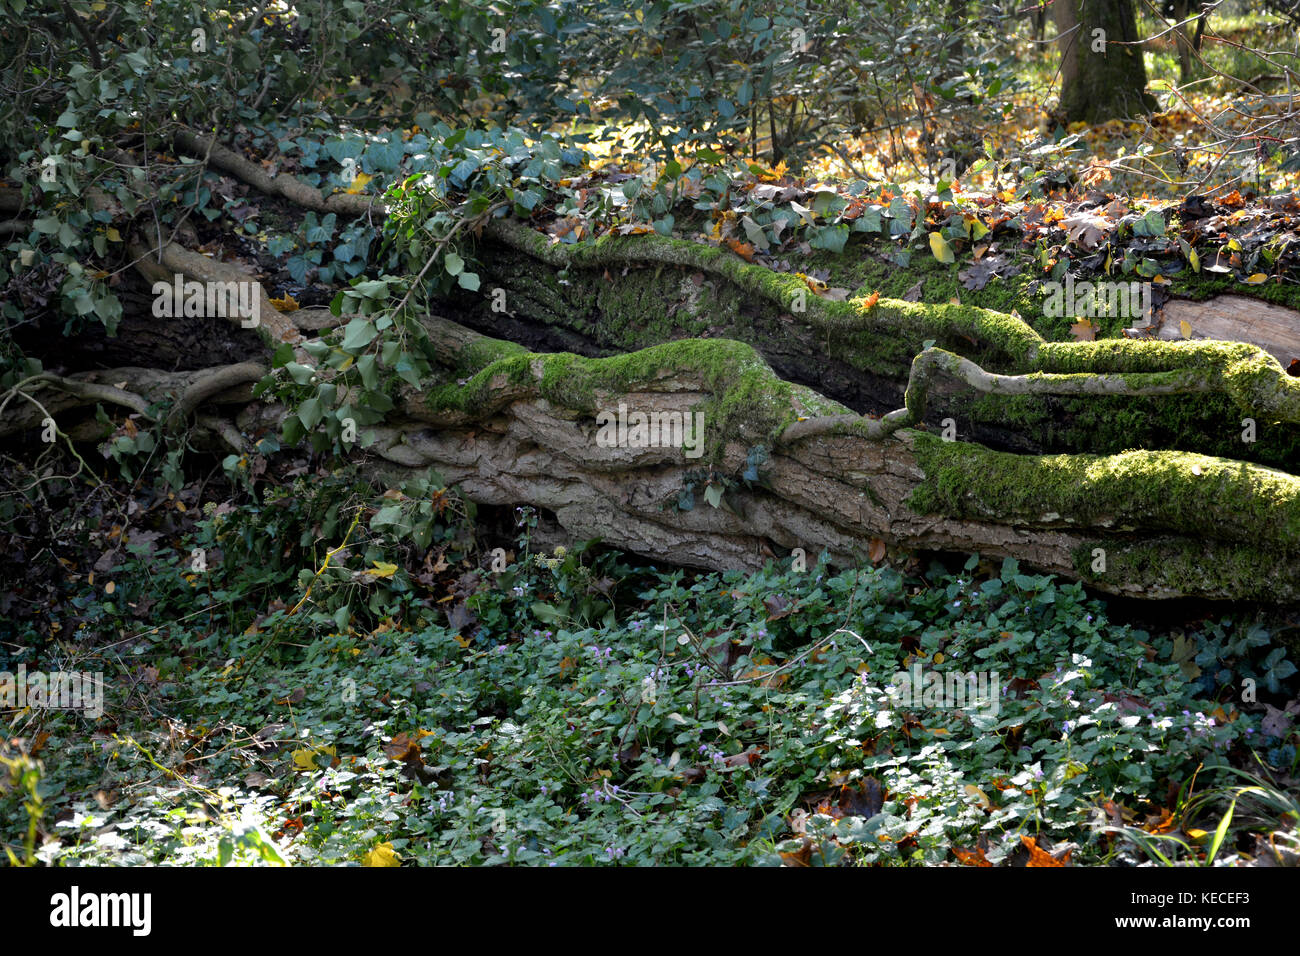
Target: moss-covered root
x=1173, y=566
x=931, y=361
x=1252, y=377
x=1156, y=491
x=1007, y=334
x=746, y=401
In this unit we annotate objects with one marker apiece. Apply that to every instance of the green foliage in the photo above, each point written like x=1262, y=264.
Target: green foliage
x=558, y=717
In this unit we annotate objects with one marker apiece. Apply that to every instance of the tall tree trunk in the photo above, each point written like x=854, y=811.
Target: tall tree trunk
x=1102, y=75
x=1180, y=9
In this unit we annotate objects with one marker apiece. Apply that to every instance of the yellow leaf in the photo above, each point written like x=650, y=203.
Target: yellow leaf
x=1256, y=279
x=287, y=304
x=110, y=587
x=113, y=234
x=306, y=759
x=382, y=855
x=942, y=251
x=359, y=183
x=382, y=569
x=1194, y=259
x=1186, y=328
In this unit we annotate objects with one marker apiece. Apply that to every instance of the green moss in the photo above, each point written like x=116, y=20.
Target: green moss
x=1232, y=500
x=747, y=403
x=1169, y=566
x=626, y=293
x=485, y=351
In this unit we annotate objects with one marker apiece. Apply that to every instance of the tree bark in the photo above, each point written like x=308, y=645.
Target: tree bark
x=1102, y=73
x=828, y=425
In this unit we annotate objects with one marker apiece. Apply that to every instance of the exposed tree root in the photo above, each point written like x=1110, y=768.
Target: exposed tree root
x=523, y=429
x=1252, y=377
x=290, y=187
x=511, y=426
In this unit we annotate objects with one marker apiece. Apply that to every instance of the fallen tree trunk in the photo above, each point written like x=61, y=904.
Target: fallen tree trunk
x=827, y=424
x=524, y=429
x=509, y=426
x=620, y=294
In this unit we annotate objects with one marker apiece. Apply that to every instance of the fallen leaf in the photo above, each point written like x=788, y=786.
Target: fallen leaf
x=940, y=248
x=743, y=249
x=1040, y=857
x=1087, y=228
x=1084, y=330
x=973, y=857
x=359, y=183
x=801, y=856
x=384, y=854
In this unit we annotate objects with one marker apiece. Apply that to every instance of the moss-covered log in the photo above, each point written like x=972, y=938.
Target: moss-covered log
x=512, y=426
x=618, y=294
x=1126, y=463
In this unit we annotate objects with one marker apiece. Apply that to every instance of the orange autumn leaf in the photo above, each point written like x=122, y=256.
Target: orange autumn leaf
x=1039, y=856
x=800, y=857
x=743, y=249
x=869, y=303
x=1163, y=825
x=973, y=857
x=1083, y=330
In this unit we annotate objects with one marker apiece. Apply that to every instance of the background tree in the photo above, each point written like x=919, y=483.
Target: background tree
x=1102, y=73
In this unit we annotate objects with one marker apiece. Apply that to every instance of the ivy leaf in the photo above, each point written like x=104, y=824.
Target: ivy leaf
x=754, y=232
x=830, y=238
x=942, y=251
x=546, y=613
